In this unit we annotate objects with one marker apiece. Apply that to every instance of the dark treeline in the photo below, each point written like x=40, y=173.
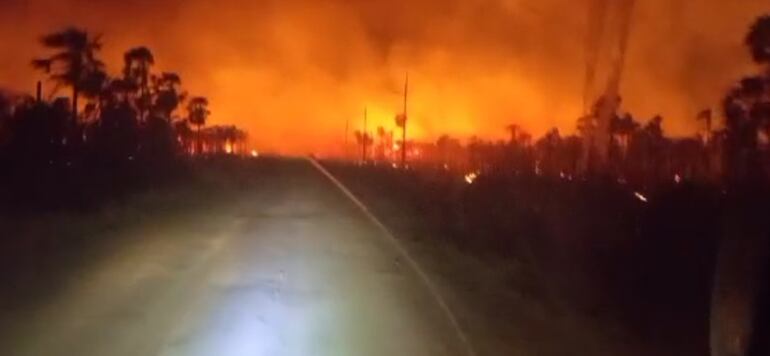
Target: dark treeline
x=669, y=238
x=732, y=146
x=111, y=132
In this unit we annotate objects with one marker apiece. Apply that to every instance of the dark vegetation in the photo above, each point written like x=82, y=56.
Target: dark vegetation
x=634, y=241
x=584, y=246
x=637, y=242
x=117, y=149
x=112, y=136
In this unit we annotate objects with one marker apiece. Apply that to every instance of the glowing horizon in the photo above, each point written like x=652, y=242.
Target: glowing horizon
x=304, y=68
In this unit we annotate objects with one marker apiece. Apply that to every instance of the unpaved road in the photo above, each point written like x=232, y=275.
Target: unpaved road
x=290, y=267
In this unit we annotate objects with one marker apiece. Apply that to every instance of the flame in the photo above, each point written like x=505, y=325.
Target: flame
x=471, y=177
x=293, y=72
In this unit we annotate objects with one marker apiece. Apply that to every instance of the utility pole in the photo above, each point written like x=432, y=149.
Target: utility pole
x=403, y=137
x=364, y=136
x=39, y=92
x=345, y=152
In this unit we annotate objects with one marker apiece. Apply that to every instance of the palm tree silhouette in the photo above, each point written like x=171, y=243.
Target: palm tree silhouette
x=137, y=64
x=168, y=94
x=624, y=126
x=747, y=109
x=74, y=63
x=738, y=307
x=197, y=113
x=758, y=41
x=513, y=131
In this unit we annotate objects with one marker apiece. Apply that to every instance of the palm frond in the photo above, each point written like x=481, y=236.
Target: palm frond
x=42, y=64
x=96, y=43
x=65, y=56
x=70, y=37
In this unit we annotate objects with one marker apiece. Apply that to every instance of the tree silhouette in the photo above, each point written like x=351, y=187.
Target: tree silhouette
x=137, y=63
x=184, y=135
x=116, y=135
x=228, y=139
x=128, y=121
x=168, y=94
x=647, y=150
x=74, y=63
x=514, y=131
x=365, y=140
x=747, y=111
x=622, y=128
x=450, y=151
x=758, y=41
x=547, y=149
x=197, y=113
x=37, y=132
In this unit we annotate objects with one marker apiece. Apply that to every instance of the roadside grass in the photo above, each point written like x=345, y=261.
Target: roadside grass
x=552, y=268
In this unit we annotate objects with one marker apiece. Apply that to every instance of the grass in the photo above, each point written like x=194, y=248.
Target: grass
x=533, y=258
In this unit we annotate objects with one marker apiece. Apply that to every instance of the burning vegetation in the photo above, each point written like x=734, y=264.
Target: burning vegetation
x=731, y=145
x=609, y=213
x=661, y=235
x=138, y=114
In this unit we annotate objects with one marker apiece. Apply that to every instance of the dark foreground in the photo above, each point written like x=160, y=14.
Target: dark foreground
x=282, y=265
x=268, y=257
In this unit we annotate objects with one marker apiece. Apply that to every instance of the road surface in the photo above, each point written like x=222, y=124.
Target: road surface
x=291, y=267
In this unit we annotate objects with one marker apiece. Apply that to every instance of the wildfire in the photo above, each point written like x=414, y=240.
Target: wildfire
x=471, y=177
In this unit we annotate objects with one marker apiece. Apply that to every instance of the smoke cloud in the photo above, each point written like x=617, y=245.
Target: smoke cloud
x=292, y=72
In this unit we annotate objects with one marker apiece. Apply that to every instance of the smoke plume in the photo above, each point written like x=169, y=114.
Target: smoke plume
x=292, y=72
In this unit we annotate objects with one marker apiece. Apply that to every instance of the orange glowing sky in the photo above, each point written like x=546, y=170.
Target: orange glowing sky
x=292, y=72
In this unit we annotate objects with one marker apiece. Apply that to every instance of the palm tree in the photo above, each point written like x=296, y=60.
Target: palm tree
x=734, y=299
x=74, y=63
x=654, y=142
x=622, y=128
x=546, y=150
x=197, y=113
x=168, y=94
x=513, y=131
x=744, y=116
x=137, y=64
x=229, y=139
x=758, y=41
x=365, y=140
x=184, y=135
x=747, y=109
x=118, y=91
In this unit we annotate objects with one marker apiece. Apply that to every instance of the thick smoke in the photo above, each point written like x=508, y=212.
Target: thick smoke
x=293, y=71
